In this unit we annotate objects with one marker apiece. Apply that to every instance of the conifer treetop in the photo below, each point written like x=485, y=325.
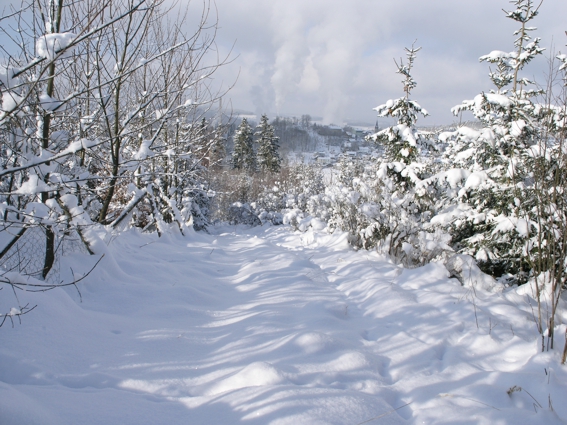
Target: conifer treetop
x=402, y=140
x=405, y=69
x=243, y=156
x=404, y=109
x=510, y=64
x=268, y=157
x=510, y=104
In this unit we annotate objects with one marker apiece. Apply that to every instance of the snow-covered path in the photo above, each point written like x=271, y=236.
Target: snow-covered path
x=273, y=327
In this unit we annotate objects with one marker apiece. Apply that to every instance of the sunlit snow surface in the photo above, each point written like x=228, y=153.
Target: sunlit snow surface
x=267, y=326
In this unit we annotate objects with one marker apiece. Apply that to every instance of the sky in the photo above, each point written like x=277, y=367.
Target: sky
x=334, y=59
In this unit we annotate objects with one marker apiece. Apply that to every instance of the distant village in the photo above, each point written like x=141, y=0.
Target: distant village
x=305, y=140
x=353, y=145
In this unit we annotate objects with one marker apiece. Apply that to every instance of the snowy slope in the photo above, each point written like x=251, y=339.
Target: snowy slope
x=266, y=326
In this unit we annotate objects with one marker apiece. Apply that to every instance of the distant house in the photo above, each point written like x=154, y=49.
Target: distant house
x=324, y=160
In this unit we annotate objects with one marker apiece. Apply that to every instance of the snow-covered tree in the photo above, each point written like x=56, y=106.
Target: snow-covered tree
x=243, y=155
x=208, y=144
x=268, y=156
x=496, y=216
x=404, y=202
x=37, y=122
x=508, y=208
x=402, y=142
x=91, y=94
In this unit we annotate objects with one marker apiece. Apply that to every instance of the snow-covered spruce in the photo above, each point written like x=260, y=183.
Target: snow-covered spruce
x=268, y=157
x=496, y=222
x=404, y=204
x=243, y=154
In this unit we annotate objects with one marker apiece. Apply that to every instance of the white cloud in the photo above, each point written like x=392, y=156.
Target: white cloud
x=334, y=58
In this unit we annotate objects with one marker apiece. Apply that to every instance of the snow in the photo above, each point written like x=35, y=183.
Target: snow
x=49, y=46
x=268, y=326
x=7, y=77
x=11, y=101
x=449, y=214
x=517, y=127
x=477, y=106
x=32, y=186
x=455, y=175
x=446, y=135
x=464, y=155
x=507, y=224
x=476, y=179
x=14, y=311
x=468, y=133
x=498, y=99
x=49, y=103
x=160, y=113
x=496, y=55
x=144, y=151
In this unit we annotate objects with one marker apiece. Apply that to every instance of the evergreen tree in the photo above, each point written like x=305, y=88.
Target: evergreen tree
x=243, y=156
x=200, y=146
x=499, y=187
x=404, y=201
x=402, y=141
x=218, y=147
x=268, y=157
x=209, y=144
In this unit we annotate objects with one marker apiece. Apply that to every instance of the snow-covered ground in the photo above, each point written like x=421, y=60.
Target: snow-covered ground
x=266, y=326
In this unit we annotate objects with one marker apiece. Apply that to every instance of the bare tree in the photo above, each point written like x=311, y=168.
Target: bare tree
x=99, y=106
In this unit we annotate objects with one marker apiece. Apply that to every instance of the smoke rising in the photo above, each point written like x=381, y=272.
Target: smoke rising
x=335, y=57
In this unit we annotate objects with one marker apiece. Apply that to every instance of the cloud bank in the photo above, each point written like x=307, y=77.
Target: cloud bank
x=334, y=58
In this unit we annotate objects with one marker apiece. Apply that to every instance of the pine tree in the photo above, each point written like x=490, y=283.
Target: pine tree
x=218, y=147
x=404, y=200
x=402, y=140
x=243, y=156
x=208, y=144
x=514, y=198
x=499, y=188
x=268, y=156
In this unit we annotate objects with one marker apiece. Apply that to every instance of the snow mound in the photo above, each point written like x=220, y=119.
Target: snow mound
x=314, y=342
x=464, y=268
x=257, y=374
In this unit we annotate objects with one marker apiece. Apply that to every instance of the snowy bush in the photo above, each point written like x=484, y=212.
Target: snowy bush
x=268, y=195
x=239, y=213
